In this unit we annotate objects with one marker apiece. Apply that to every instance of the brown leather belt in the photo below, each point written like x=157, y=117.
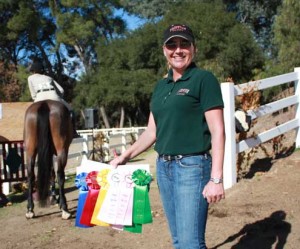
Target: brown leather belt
x=172, y=157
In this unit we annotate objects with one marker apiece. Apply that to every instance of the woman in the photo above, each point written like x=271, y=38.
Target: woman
x=185, y=123
x=43, y=87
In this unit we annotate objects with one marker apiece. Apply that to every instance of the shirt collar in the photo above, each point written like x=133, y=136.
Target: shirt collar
x=186, y=75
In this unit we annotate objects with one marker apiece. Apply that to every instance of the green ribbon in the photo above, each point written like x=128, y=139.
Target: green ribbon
x=141, y=202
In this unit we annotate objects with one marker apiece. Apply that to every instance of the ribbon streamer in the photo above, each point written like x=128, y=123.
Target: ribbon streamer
x=91, y=198
x=117, y=205
x=102, y=181
x=80, y=183
x=141, y=204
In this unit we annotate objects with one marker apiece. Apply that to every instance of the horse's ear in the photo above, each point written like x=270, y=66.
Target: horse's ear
x=242, y=121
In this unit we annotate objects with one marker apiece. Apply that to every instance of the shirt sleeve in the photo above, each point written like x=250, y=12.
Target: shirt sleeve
x=211, y=95
x=31, y=89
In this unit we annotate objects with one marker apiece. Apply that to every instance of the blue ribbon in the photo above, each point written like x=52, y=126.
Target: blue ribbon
x=80, y=183
x=81, y=201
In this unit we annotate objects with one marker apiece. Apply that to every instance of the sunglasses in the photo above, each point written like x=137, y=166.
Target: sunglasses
x=172, y=45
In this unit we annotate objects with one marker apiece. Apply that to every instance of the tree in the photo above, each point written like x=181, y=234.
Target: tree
x=130, y=66
x=259, y=16
x=287, y=36
x=224, y=45
x=149, y=9
x=61, y=33
x=82, y=24
x=10, y=90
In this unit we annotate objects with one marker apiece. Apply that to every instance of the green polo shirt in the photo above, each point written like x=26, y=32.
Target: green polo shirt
x=178, y=109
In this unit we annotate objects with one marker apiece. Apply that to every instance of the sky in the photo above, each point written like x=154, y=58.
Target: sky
x=132, y=21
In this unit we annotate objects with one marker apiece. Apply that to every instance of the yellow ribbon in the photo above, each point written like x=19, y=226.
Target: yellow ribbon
x=102, y=181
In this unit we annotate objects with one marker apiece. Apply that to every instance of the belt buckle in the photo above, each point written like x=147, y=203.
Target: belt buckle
x=170, y=157
x=178, y=157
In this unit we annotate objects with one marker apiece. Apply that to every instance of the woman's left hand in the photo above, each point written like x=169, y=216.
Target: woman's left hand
x=213, y=192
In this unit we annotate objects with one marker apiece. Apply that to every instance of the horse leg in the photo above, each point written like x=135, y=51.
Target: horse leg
x=53, y=200
x=31, y=181
x=61, y=163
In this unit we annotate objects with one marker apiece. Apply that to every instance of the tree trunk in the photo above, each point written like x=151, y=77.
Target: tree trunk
x=104, y=117
x=122, y=117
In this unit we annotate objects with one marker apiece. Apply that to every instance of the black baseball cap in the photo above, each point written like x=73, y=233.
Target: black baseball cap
x=179, y=30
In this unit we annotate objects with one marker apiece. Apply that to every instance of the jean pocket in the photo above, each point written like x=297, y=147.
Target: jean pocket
x=191, y=162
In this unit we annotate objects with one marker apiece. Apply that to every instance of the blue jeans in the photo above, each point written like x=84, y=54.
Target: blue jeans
x=181, y=182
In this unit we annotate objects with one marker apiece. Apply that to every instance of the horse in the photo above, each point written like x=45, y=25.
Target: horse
x=48, y=131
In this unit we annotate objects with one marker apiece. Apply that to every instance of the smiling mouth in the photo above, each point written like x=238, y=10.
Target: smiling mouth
x=178, y=58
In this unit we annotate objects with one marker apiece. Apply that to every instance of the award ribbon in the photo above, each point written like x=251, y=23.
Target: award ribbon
x=125, y=200
x=91, y=198
x=117, y=205
x=102, y=181
x=141, y=203
x=80, y=183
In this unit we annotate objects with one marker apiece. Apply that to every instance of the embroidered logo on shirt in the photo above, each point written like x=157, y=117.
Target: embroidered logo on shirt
x=182, y=91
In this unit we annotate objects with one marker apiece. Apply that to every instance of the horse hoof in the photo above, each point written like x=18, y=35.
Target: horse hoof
x=29, y=215
x=66, y=215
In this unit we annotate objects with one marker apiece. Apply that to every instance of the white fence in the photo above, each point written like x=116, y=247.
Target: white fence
x=118, y=138
x=229, y=92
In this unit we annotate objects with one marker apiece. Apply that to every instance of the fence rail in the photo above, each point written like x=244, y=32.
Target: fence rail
x=232, y=147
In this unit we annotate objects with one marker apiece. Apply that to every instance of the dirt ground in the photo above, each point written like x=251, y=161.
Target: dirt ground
x=262, y=211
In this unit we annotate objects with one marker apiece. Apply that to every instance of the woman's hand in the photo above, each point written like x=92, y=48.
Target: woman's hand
x=213, y=192
x=117, y=161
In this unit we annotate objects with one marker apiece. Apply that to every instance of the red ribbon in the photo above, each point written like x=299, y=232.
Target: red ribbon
x=91, y=199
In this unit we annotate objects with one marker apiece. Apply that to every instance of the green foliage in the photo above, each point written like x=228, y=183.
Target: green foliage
x=22, y=75
x=241, y=55
x=130, y=66
x=224, y=46
x=83, y=25
x=122, y=68
x=74, y=28
x=259, y=15
x=287, y=35
x=149, y=9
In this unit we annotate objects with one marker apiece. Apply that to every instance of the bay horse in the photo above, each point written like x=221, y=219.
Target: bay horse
x=48, y=131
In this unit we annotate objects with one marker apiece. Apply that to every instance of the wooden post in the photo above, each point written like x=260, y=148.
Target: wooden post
x=85, y=147
x=123, y=140
x=297, y=93
x=229, y=167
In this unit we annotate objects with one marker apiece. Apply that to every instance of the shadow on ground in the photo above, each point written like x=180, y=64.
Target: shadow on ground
x=265, y=164
x=270, y=232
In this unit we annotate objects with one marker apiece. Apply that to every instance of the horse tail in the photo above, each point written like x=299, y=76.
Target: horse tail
x=45, y=154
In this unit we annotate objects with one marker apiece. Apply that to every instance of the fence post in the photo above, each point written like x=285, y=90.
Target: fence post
x=135, y=132
x=229, y=167
x=297, y=93
x=85, y=146
x=123, y=142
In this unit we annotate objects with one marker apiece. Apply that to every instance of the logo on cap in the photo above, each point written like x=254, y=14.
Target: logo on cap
x=177, y=28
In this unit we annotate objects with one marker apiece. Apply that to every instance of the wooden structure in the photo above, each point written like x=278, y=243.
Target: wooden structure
x=12, y=162
x=12, y=166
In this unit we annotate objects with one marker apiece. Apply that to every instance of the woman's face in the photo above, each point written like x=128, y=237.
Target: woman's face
x=179, y=53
